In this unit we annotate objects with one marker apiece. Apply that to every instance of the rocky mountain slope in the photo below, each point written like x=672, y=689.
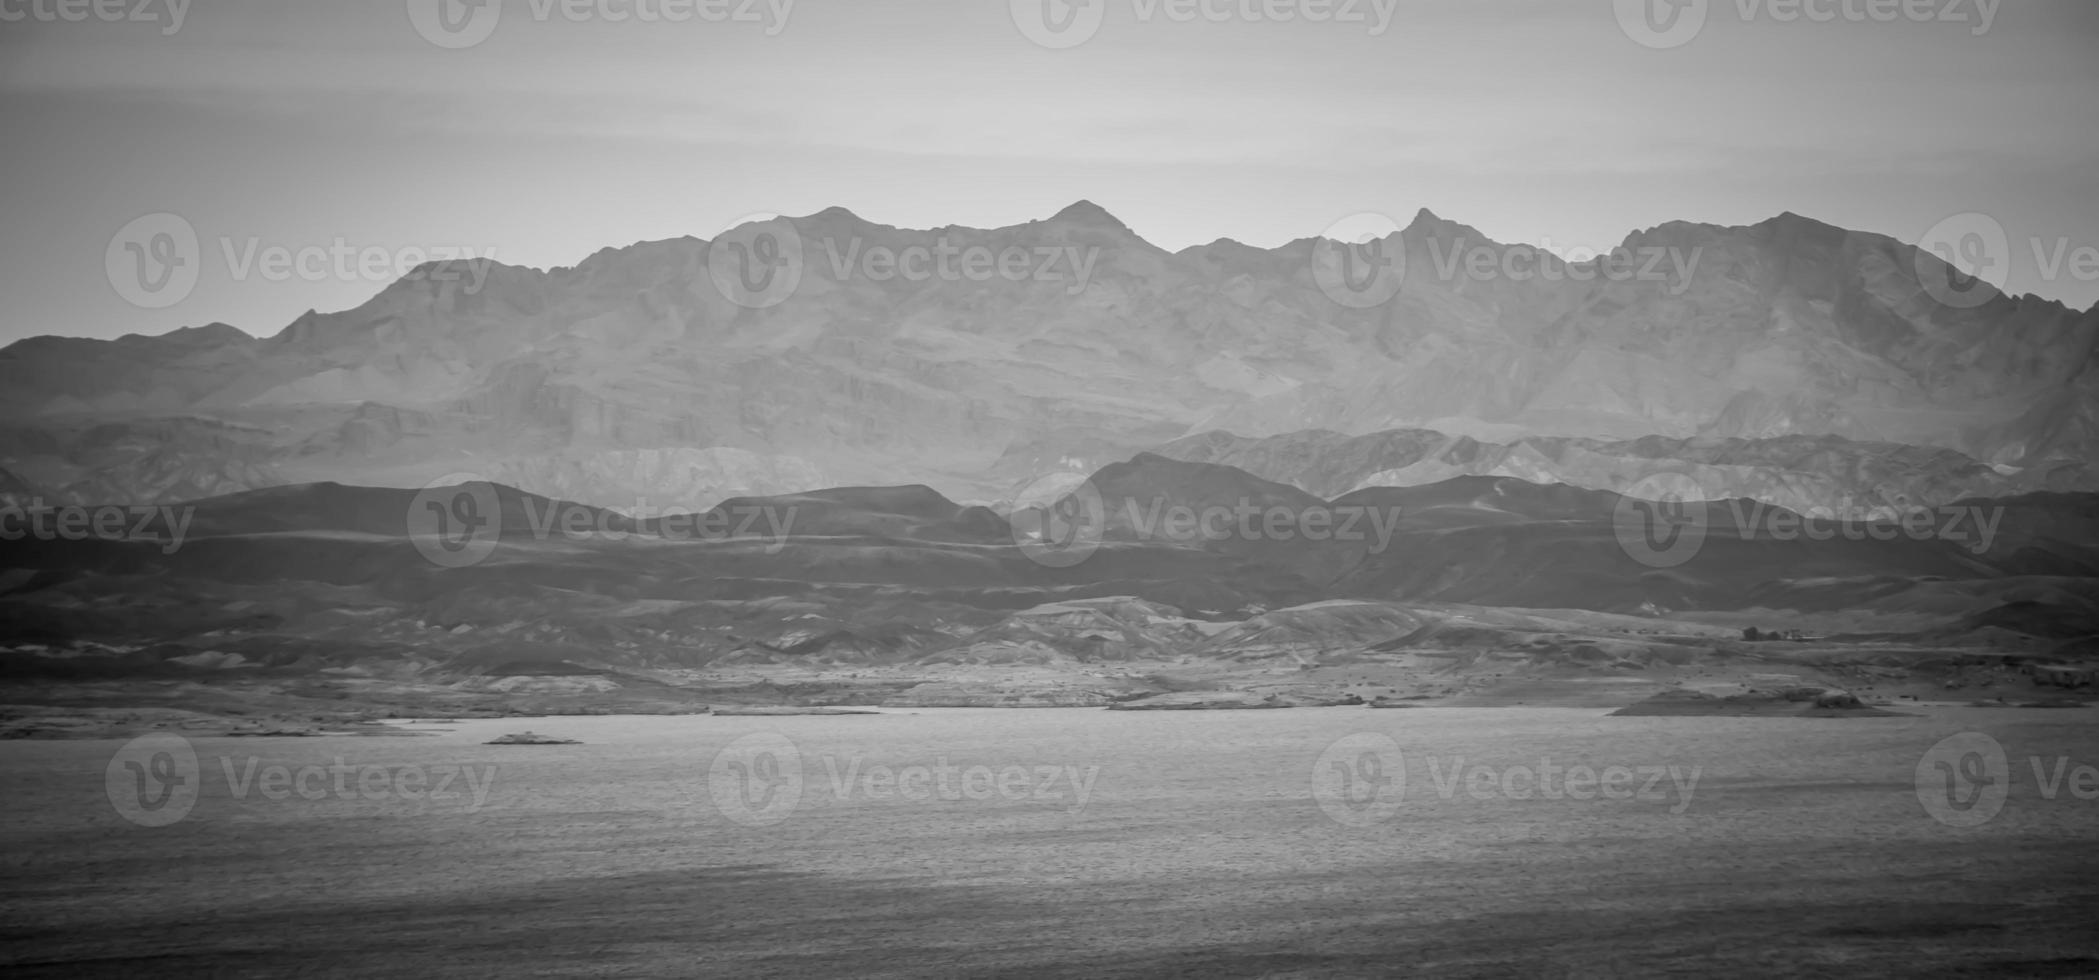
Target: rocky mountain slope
x=652, y=374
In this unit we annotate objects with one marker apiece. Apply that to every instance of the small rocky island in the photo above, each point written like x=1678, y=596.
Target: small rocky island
x=530, y=738
x=1802, y=702
x=1200, y=701
x=272, y=731
x=1226, y=701
x=767, y=710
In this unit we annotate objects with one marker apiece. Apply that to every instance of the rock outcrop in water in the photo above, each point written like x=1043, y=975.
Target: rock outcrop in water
x=530, y=738
x=1796, y=702
x=1202, y=701
x=776, y=710
x=1229, y=701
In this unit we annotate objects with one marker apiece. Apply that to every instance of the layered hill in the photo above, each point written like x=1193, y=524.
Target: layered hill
x=642, y=378
x=319, y=599
x=355, y=563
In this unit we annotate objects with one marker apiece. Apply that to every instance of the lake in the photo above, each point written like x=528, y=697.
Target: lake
x=1071, y=843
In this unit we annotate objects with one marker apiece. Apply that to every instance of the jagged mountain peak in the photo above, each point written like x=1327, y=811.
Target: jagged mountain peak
x=1223, y=246
x=1427, y=224
x=1796, y=220
x=1085, y=212
x=836, y=220
x=209, y=334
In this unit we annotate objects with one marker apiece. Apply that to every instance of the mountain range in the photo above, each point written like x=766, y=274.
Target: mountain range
x=1789, y=361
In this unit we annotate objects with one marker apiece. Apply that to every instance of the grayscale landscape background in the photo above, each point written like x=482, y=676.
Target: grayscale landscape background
x=1049, y=488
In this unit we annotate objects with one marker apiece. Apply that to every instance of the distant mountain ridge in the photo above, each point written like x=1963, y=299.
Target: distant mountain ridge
x=1797, y=472
x=632, y=378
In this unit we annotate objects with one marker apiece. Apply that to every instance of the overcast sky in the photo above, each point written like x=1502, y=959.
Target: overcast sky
x=303, y=123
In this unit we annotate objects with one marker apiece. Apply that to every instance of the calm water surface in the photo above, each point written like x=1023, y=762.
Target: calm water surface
x=1068, y=842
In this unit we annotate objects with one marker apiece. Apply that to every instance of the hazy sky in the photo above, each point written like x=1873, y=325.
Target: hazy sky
x=300, y=124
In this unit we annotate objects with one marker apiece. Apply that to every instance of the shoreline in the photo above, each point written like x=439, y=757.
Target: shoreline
x=77, y=728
